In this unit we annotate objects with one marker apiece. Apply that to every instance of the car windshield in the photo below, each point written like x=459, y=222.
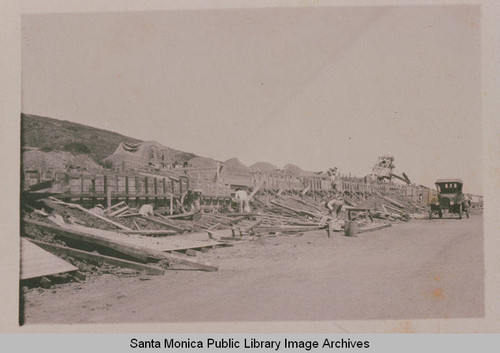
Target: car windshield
x=449, y=188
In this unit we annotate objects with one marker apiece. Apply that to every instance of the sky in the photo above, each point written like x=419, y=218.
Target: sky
x=317, y=87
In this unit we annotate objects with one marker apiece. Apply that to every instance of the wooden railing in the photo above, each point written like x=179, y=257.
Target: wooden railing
x=155, y=185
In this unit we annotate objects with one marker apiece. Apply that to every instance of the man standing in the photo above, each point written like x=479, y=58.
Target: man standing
x=242, y=198
x=333, y=174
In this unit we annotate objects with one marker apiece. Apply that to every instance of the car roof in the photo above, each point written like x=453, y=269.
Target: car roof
x=439, y=181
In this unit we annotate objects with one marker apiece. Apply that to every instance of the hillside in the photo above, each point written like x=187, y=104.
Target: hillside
x=52, y=134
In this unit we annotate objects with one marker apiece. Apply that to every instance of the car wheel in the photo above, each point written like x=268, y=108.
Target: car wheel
x=460, y=210
x=440, y=214
x=430, y=214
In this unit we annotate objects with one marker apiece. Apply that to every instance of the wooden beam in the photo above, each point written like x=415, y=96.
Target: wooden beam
x=394, y=202
x=139, y=252
x=250, y=197
x=253, y=226
x=164, y=223
x=81, y=208
x=96, y=258
x=130, y=250
x=148, y=231
x=295, y=210
x=117, y=212
x=114, y=206
x=399, y=212
x=181, y=215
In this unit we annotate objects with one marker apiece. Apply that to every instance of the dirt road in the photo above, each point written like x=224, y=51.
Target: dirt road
x=420, y=269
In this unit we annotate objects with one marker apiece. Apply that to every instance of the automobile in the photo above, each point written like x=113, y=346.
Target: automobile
x=449, y=199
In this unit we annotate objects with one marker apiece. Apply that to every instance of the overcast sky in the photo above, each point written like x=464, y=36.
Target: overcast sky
x=316, y=87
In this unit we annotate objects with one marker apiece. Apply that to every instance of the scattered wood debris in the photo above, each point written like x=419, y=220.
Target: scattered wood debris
x=129, y=240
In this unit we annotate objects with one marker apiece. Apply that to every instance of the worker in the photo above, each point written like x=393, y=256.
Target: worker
x=333, y=174
x=193, y=200
x=147, y=210
x=335, y=205
x=242, y=198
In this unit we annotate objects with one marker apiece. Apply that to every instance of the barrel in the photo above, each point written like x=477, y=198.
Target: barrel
x=351, y=228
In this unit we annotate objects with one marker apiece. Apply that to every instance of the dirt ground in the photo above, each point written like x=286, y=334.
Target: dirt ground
x=421, y=269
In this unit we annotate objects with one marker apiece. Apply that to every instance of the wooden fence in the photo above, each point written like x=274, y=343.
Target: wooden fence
x=212, y=184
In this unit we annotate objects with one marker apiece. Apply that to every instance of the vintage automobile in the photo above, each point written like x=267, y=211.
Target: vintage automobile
x=449, y=198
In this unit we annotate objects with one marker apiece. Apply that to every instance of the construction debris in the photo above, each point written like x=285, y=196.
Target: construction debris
x=148, y=239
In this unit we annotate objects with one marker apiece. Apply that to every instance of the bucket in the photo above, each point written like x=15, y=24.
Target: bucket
x=351, y=228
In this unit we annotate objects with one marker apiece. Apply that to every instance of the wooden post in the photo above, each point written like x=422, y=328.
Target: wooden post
x=126, y=185
x=93, y=191
x=171, y=204
x=180, y=185
x=116, y=187
x=172, y=182
x=164, y=192
x=146, y=185
x=108, y=198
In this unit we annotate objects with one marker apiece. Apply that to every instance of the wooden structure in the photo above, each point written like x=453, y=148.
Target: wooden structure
x=217, y=185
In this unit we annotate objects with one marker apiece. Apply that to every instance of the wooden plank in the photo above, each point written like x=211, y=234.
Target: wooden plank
x=164, y=223
x=181, y=215
x=149, y=231
x=93, y=239
x=117, y=212
x=399, y=212
x=114, y=206
x=394, y=202
x=295, y=210
x=253, y=226
x=236, y=220
x=96, y=258
x=36, y=262
x=250, y=197
x=81, y=208
x=138, y=252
